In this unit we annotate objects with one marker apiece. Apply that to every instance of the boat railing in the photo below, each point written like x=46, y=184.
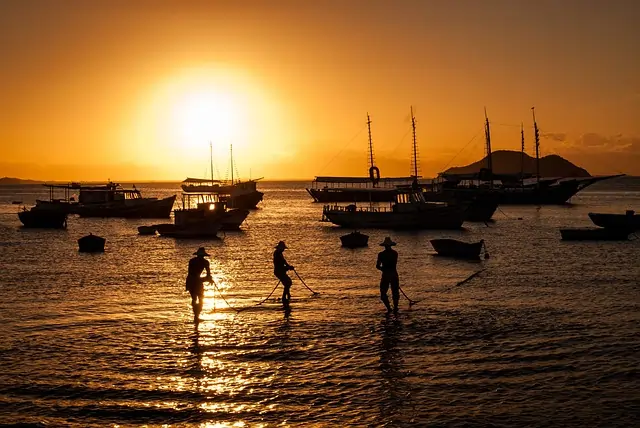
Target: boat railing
x=354, y=208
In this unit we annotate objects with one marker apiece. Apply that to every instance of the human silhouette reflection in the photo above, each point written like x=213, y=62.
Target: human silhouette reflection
x=394, y=392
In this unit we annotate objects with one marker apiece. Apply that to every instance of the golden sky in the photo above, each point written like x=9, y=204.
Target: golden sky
x=136, y=89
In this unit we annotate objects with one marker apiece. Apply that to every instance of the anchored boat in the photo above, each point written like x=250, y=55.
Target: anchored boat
x=409, y=211
x=628, y=221
x=42, y=218
x=459, y=249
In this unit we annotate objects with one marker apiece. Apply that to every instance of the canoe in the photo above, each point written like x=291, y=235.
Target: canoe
x=628, y=221
x=91, y=244
x=458, y=249
x=594, y=234
x=355, y=240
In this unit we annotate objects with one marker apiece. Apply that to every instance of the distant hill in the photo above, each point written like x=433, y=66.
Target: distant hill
x=13, y=180
x=508, y=162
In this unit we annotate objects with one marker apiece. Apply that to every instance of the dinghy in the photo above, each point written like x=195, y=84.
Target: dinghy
x=627, y=221
x=355, y=239
x=147, y=230
x=459, y=249
x=91, y=244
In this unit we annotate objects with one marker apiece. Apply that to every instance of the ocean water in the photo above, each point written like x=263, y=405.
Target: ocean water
x=547, y=335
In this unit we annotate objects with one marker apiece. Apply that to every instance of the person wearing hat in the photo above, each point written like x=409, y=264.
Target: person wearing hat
x=195, y=283
x=387, y=261
x=280, y=268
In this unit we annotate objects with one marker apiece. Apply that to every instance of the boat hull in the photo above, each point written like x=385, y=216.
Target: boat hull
x=629, y=222
x=91, y=244
x=245, y=201
x=145, y=208
x=37, y=218
x=206, y=230
x=480, y=206
x=445, y=217
x=457, y=249
x=594, y=234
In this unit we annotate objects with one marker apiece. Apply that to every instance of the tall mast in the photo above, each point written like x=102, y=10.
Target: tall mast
x=370, y=142
x=522, y=153
x=537, y=136
x=415, y=145
x=211, y=159
x=487, y=135
x=231, y=151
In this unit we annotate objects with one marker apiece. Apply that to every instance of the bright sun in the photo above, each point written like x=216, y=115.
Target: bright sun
x=202, y=116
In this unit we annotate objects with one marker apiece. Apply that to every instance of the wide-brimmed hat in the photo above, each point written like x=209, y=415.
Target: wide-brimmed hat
x=387, y=242
x=282, y=245
x=201, y=252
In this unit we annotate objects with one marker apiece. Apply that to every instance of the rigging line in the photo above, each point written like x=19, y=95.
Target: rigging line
x=342, y=149
x=305, y=284
x=462, y=149
x=401, y=141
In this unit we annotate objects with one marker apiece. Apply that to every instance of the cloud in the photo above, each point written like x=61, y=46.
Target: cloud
x=556, y=136
x=613, y=143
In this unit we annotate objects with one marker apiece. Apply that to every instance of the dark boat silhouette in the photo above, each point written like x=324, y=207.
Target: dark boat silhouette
x=409, y=211
x=147, y=230
x=458, y=249
x=354, y=239
x=628, y=221
x=518, y=189
x=42, y=218
x=91, y=244
x=107, y=200
x=594, y=234
x=235, y=193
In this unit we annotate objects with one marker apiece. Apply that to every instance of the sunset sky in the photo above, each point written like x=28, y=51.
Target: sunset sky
x=136, y=89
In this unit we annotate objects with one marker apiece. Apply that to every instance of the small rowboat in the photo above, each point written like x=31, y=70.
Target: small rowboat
x=459, y=249
x=594, y=234
x=628, y=221
x=91, y=244
x=355, y=239
x=147, y=230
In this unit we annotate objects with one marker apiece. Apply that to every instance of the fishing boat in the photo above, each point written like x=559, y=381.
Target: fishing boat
x=235, y=193
x=458, y=249
x=107, y=200
x=518, y=189
x=409, y=211
x=594, y=234
x=39, y=218
x=327, y=189
x=202, y=215
x=91, y=244
x=628, y=221
x=354, y=239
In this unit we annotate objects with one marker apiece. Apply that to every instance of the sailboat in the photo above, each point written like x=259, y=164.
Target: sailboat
x=235, y=193
x=357, y=189
x=513, y=189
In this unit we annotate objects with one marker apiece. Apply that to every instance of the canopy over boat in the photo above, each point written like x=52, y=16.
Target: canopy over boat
x=363, y=180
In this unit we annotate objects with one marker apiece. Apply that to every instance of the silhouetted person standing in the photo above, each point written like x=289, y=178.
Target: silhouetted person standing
x=387, y=261
x=195, y=283
x=280, y=268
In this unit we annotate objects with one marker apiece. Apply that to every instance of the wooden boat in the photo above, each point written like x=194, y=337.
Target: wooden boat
x=147, y=230
x=409, y=211
x=235, y=193
x=355, y=239
x=594, y=234
x=91, y=244
x=628, y=221
x=39, y=218
x=199, y=207
x=108, y=200
x=458, y=249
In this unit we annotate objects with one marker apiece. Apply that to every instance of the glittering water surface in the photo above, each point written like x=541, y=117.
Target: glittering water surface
x=547, y=335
